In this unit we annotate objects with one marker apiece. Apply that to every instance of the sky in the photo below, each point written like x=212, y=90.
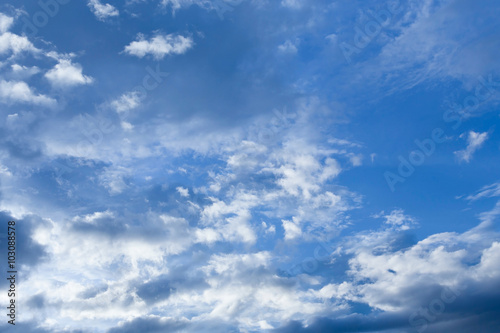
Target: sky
x=273, y=166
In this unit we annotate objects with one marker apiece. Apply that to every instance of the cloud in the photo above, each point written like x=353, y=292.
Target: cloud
x=288, y=47
x=428, y=285
x=114, y=179
x=16, y=44
x=398, y=219
x=422, y=41
x=23, y=72
x=5, y=23
x=126, y=102
x=183, y=191
x=159, y=46
x=20, y=92
x=102, y=11
x=292, y=230
x=65, y=74
x=492, y=190
x=474, y=141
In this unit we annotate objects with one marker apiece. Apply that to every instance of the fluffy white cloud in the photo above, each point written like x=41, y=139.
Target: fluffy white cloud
x=5, y=23
x=16, y=44
x=20, y=92
x=19, y=71
x=65, y=74
x=102, y=11
x=159, y=46
x=183, y=191
x=292, y=229
x=474, y=141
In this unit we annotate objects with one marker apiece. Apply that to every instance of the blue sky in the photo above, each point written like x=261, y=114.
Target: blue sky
x=251, y=165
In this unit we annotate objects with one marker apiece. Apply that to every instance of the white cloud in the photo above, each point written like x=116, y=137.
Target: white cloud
x=126, y=102
x=292, y=229
x=383, y=273
x=5, y=23
x=19, y=71
x=474, y=141
x=94, y=217
x=102, y=11
x=159, y=46
x=288, y=47
x=20, y=92
x=15, y=43
x=356, y=159
x=398, y=219
x=113, y=179
x=492, y=190
x=66, y=74
x=183, y=191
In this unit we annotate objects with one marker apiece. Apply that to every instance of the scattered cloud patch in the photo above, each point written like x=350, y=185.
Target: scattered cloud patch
x=288, y=47
x=102, y=11
x=474, y=141
x=20, y=92
x=159, y=46
x=127, y=102
x=66, y=74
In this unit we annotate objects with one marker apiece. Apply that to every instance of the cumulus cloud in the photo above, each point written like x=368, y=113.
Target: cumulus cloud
x=292, y=229
x=16, y=44
x=425, y=285
x=159, y=46
x=5, y=23
x=102, y=11
x=20, y=71
x=66, y=74
x=474, y=141
x=20, y=92
x=183, y=191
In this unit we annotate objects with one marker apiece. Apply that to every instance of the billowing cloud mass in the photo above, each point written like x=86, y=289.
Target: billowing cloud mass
x=218, y=166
